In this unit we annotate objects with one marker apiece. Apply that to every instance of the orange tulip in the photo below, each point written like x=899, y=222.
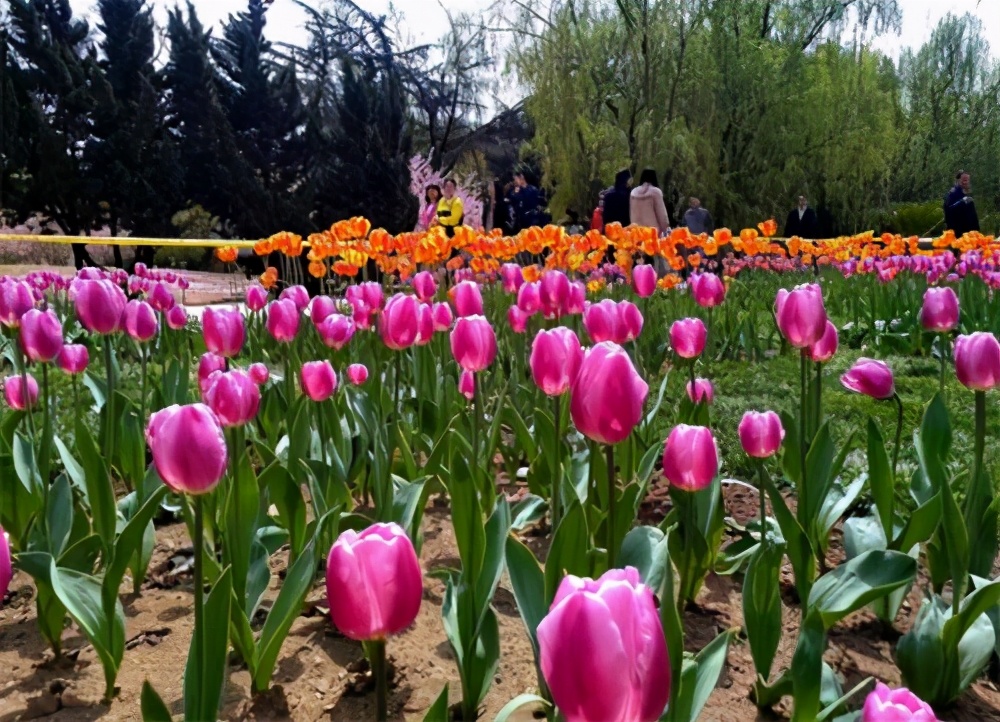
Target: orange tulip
x=317, y=269
x=768, y=227
x=227, y=254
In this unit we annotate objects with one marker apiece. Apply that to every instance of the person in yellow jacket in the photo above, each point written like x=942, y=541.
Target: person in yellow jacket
x=450, y=212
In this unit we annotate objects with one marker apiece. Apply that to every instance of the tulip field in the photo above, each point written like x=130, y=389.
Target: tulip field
x=508, y=479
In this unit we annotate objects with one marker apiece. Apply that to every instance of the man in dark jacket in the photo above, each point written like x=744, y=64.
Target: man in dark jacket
x=959, y=208
x=616, y=200
x=802, y=221
x=524, y=199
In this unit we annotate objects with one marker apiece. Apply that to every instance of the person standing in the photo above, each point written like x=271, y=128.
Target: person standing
x=697, y=219
x=802, y=221
x=646, y=207
x=425, y=219
x=959, y=209
x=617, y=200
x=450, y=211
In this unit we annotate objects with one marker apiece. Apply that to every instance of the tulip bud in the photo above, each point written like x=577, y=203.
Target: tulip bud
x=208, y=364
x=690, y=457
x=629, y=321
x=256, y=297
x=442, y=316
x=336, y=331
x=517, y=319
x=940, y=310
x=554, y=293
x=233, y=396
x=977, y=361
x=824, y=349
x=259, y=373
x=644, y=280
x=602, y=651
x=161, y=299
x=871, y=378
x=761, y=434
x=41, y=335
x=602, y=322
x=425, y=325
x=577, y=299
x=608, y=395
x=511, y=277
x=319, y=380
x=14, y=388
x=801, y=315
x=188, y=447
x=321, y=308
x=73, y=358
x=177, y=318
x=473, y=343
x=16, y=298
x=895, y=705
x=223, y=330
x=687, y=337
x=707, y=289
x=374, y=585
x=283, y=320
x=100, y=305
x=399, y=324
x=555, y=360
x=357, y=374
x=424, y=286
x=298, y=295
x=700, y=391
x=140, y=321
x=467, y=385
x=372, y=294
x=529, y=298
x=467, y=299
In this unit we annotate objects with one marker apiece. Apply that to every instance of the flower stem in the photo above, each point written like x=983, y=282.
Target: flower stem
x=761, y=476
x=899, y=433
x=972, y=498
x=612, y=492
x=109, y=404
x=944, y=359
x=556, y=502
x=803, y=440
x=199, y=571
x=379, y=672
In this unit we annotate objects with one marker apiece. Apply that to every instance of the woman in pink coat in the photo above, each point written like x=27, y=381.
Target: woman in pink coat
x=428, y=213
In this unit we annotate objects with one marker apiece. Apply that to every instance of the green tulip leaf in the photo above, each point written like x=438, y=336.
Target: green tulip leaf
x=517, y=704
x=438, y=711
x=205, y=672
x=858, y=582
x=152, y=705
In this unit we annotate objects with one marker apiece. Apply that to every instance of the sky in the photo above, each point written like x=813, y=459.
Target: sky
x=426, y=19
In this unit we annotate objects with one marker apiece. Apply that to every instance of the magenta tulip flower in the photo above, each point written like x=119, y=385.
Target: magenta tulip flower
x=940, y=310
x=556, y=356
x=825, y=349
x=895, y=705
x=688, y=337
x=372, y=294
x=16, y=298
x=602, y=651
x=473, y=343
x=14, y=388
x=554, y=293
x=608, y=395
x=576, y=302
x=224, y=331
x=336, y=330
x=283, y=320
x=208, y=364
x=357, y=374
x=374, y=585
x=321, y=308
x=177, y=318
x=517, y=319
x=424, y=286
x=511, y=277
x=41, y=335
x=259, y=373
x=871, y=378
x=161, y=298
x=6, y=568
x=690, y=457
x=319, y=380
x=467, y=385
x=644, y=280
x=188, y=447
x=442, y=315
x=140, y=321
x=467, y=299
x=298, y=295
x=529, y=298
x=73, y=358
x=629, y=321
x=233, y=396
x=761, y=434
x=425, y=325
x=100, y=305
x=700, y=391
x=602, y=320
x=801, y=315
x=399, y=324
x=707, y=289
x=256, y=297
x=977, y=361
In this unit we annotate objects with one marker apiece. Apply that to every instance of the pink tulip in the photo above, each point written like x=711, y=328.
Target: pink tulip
x=690, y=457
x=576, y=302
x=511, y=277
x=357, y=374
x=41, y=335
x=233, y=396
x=467, y=385
x=14, y=388
x=16, y=298
x=700, y=391
x=442, y=316
x=161, y=298
x=319, y=380
x=940, y=310
x=321, y=308
x=707, y=289
x=825, y=349
x=687, y=337
x=473, y=343
x=629, y=321
x=188, y=447
x=554, y=293
x=140, y=269
x=517, y=319
x=761, y=434
x=372, y=294
x=100, y=306
x=555, y=360
x=871, y=378
x=399, y=324
x=208, y=364
x=602, y=320
x=602, y=651
x=259, y=373
x=223, y=330
x=256, y=297
x=298, y=295
x=374, y=585
x=283, y=320
x=425, y=325
x=977, y=361
x=140, y=321
x=644, y=280
x=336, y=331
x=177, y=318
x=608, y=395
x=73, y=358
x=467, y=299
x=801, y=315
x=6, y=568
x=529, y=298
x=895, y=705
x=424, y=286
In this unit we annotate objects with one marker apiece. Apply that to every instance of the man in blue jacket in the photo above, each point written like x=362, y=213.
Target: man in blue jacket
x=959, y=208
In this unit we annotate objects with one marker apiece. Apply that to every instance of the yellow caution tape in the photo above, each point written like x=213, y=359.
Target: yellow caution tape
x=130, y=241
